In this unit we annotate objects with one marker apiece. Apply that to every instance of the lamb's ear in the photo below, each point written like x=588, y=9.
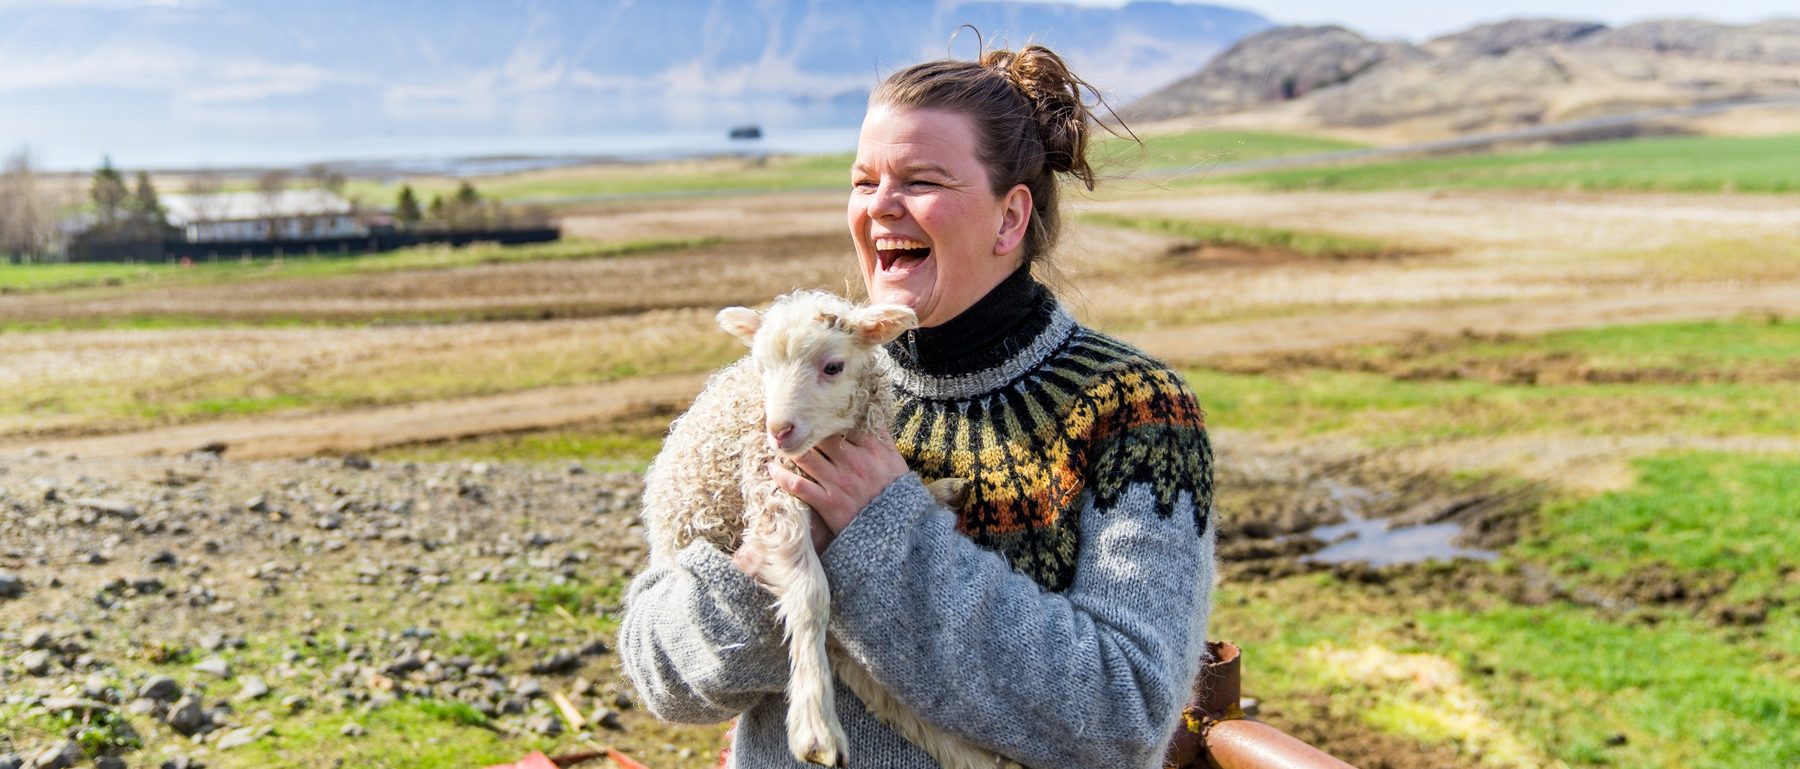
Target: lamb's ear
x=880, y=323
x=742, y=322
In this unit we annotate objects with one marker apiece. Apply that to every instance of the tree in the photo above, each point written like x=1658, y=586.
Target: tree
x=26, y=226
x=406, y=209
x=272, y=184
x=203, y=197
x=326, y=179
x=436, y=209
x=148, y=219
x=108, y=193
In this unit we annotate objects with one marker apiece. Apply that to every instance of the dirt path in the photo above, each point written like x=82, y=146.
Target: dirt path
x=372, y=428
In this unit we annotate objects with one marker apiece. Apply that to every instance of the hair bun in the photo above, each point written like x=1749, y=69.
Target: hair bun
x=1055, y=95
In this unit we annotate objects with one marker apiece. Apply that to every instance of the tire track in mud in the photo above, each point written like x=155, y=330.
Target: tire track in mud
x=432, y=421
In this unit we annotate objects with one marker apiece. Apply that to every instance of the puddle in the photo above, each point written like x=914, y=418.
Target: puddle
x=1370, y=541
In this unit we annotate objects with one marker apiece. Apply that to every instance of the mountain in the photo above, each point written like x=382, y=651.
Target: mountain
x=440, y=67
x=1509, y=74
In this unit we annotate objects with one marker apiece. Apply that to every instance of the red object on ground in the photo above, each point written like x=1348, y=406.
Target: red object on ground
x=536, y=760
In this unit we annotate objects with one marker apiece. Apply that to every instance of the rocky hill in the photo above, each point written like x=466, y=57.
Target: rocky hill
x=1493, y=76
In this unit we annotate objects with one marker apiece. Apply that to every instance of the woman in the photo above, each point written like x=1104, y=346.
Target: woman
x=1058, y=618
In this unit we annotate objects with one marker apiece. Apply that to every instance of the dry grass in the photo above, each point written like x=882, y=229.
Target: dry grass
x=81, y=381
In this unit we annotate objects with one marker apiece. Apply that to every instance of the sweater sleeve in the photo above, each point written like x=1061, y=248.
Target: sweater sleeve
x=700, y=638
x=1093, y=676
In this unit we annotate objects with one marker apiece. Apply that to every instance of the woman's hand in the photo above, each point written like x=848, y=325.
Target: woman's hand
x=844, y=473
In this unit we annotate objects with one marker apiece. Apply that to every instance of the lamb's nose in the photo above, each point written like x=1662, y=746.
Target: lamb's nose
x=781, y=431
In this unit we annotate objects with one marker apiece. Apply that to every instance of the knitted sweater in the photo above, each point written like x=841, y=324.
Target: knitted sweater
x=1057, y=619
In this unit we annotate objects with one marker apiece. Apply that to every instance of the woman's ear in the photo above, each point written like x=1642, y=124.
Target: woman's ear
x=1015, y=218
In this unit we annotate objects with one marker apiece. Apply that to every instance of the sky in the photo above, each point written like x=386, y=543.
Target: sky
x=1417, y=21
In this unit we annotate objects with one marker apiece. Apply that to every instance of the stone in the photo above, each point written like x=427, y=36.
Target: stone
x=254, y=689
x=113, y=507
x=357, y=462
x=560, y=662
x=257, y=504
x=11, y=761
x=39, y=639
x=181, y=762
x=64, y=756
x=160, y=688
x=161, y=558
x=214, y=666
x=545, y=724
x=528, y=688
x=213, y=641
x=237, y=738
x=608, y=718
x=109, y=762
x=186, y=716
x=11, y=586
x=594, y=648
x=36, y=662
x=353, y=730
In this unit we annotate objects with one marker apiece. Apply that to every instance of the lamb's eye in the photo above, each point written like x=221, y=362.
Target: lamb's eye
x=834, y=368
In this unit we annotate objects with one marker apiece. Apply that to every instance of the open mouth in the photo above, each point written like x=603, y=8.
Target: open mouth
x=900, y=253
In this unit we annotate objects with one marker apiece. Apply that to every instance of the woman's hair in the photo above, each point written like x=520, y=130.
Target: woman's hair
x=1031, y=123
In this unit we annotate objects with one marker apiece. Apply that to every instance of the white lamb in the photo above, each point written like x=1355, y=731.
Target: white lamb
x=811, y=374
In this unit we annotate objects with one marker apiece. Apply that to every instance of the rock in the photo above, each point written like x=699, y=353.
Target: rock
x=142, y=706
x=75, y=704
x=528, y=688
x=330, y=522
x=215, y=666
x=160, y=688
x=404, y=664
x=594, y=648
x=294, y=703
x=237, y=738
x=162, y=558
x=64, y=756
x=96, y=686
x=36, y=662
x=182, y=762
x=11, y=586
x=608, y=718
x=560, y=662
x=186, y=716
x=545, y=724
x=213, y=641
x=357, y=462
x=257, y=504
x=254, y=689
x=353, y=730
x=11, y=761
x=113, y=507
x=109, y=762
x=39, y=639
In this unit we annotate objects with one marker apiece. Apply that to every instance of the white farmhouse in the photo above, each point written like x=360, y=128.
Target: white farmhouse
x=250, y=216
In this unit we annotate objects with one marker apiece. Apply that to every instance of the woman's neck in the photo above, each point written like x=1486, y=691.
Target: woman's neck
x=984, y=336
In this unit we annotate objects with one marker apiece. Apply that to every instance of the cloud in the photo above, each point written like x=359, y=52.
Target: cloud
x=146, y=66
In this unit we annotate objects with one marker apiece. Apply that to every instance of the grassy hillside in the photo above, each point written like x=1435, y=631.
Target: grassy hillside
x=1769, y=164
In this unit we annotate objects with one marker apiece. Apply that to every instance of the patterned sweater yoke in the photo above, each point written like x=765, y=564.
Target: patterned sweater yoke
x=1062, y=411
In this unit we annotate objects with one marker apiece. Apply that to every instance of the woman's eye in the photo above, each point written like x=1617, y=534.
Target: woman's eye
x=863, y=184
x=834, y=368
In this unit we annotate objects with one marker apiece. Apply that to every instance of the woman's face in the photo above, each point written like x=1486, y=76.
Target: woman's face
x=930, y=234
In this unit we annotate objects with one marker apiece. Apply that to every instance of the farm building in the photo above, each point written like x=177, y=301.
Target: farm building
x=255, y=216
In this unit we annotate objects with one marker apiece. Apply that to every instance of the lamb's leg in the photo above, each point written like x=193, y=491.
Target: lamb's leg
x=949, y=492
x=798, y=581
x=951, y=751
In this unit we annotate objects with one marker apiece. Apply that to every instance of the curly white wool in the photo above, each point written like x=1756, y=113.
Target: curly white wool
x=812, y=373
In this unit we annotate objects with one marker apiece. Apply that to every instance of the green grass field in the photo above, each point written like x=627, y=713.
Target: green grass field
x=29, y=278
x=1767, y=164
x=1318, y=245
x=1715, y=378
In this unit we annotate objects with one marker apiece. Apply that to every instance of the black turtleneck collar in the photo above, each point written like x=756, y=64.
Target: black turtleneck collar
x=984, y=336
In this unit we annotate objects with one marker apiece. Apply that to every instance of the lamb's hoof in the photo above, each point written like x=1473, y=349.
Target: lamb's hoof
x=949, y=492
x=825, y=757
x=823, y=744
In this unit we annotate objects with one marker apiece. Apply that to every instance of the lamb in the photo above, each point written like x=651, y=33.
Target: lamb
x=812, y=373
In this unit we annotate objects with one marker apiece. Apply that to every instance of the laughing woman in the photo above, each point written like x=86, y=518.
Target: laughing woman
x=1058, y=618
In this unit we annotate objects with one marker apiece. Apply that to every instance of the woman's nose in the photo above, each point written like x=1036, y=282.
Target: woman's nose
x=885, y=203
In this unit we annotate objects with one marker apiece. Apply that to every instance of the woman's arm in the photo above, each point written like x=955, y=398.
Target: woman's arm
x=1094, y=676
x=700, y=639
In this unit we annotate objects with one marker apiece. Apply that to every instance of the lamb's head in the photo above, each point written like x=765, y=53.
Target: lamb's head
x=815, y=352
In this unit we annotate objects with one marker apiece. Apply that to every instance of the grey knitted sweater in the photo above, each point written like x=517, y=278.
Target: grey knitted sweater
x=1058, y=619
